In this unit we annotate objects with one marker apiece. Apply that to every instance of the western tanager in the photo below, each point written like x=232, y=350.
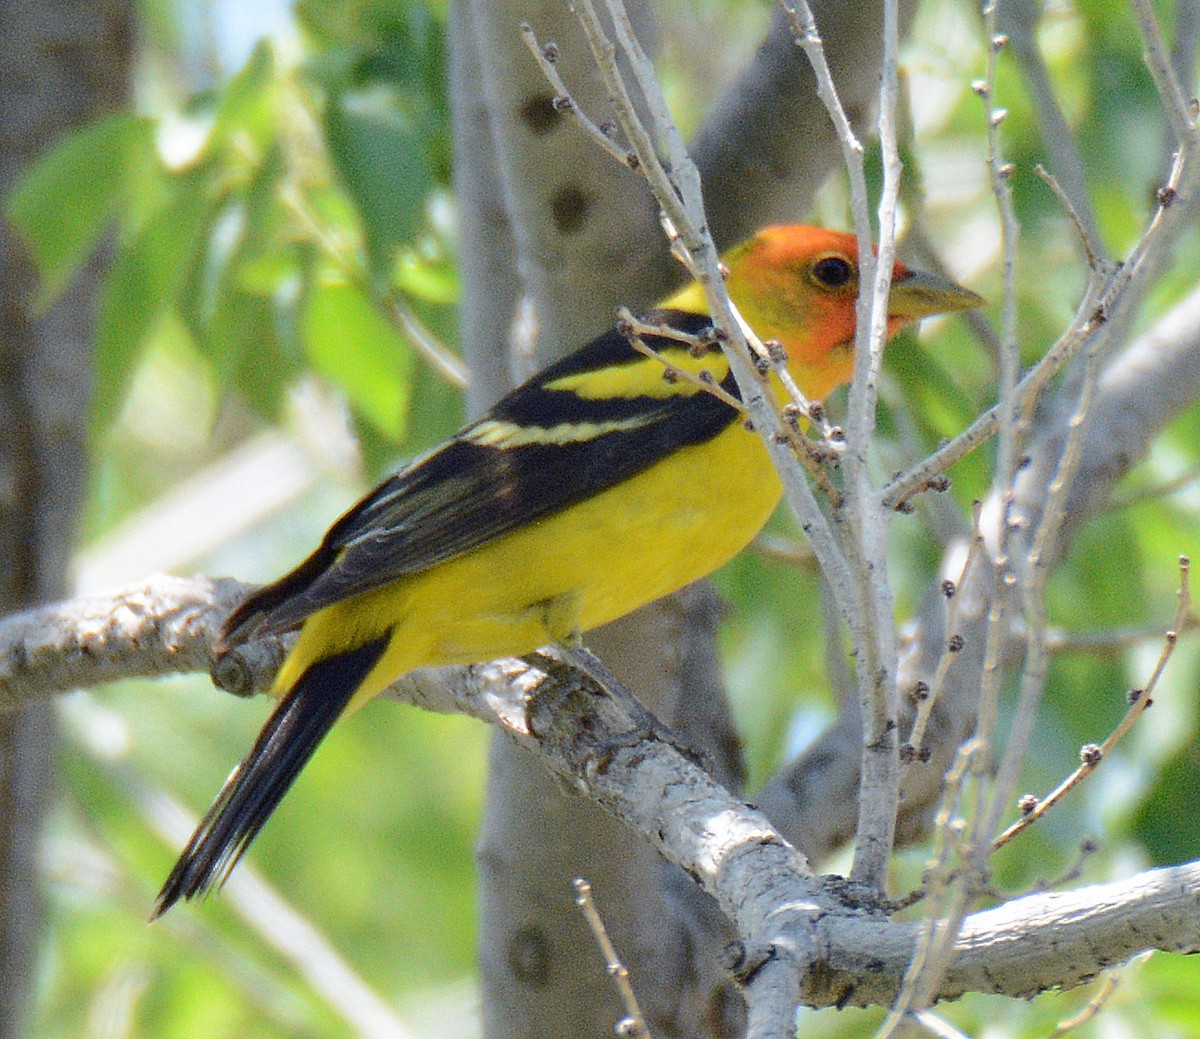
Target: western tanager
x=602, y=483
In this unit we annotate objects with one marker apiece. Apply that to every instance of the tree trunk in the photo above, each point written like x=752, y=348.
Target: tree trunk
x=546, y=215
x=63, y=63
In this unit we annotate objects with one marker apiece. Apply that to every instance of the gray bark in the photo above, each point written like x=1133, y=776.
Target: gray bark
x=63, y=62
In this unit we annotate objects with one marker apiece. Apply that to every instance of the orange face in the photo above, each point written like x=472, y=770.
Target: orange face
x=800, y=285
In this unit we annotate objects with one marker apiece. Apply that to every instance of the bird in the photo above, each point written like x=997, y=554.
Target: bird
x=607, y=480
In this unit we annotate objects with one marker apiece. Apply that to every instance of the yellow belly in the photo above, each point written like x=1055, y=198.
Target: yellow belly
x=571, y=572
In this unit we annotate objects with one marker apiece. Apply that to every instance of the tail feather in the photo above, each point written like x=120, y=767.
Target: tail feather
x=254, y=789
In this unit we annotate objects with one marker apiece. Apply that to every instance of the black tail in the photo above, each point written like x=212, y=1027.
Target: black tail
x=258, y=784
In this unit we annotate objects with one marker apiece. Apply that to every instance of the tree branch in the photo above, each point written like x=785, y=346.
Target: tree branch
x=1018, y=949
x=163, y=625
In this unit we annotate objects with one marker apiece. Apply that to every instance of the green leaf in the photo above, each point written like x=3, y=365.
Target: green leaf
x=383, y=161
x=350, y=343
x=246, y=104
x=434, y=281
x=232, y=301
x=67, y=198
x=145, y=278
x=245, y=339
x=1167, y=823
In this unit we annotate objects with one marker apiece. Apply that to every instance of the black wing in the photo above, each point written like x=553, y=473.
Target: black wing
x=536, y=452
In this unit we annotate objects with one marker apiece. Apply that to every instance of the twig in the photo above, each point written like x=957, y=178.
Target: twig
x=1114, y=287
x=426, y=344
x=879, y=790
x=927, y=698
x=546, y=55
x=389, y=302
x=1107, y=291
x=1091, y=754
x=865, y=544
x=643, y=143
x=926, y=474
x=1161, y=490
x=947, y=913
x=1112, y=641
x=951, y=891
x=1087, y=848
x=1036, y=570
x=633, y=1026
x=1108, y=987
x=1019, y=20
x=937, y=1025
x=809, y=40
x=942, y=516
x=1012, y=429
x=634, y=330
x=1180, y=113
x=945, y=901
x=678, y=195
x=783, y=550
x=683, y=170
x=1093, y=248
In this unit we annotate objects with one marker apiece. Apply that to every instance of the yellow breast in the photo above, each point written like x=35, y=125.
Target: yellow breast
x=572, y=571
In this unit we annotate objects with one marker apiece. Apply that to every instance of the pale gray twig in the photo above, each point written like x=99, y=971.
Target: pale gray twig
x=1139, y=701
x=866, y=542
x=633, y=1025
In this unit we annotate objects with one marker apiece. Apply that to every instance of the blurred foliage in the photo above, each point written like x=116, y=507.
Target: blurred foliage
x=269, y=222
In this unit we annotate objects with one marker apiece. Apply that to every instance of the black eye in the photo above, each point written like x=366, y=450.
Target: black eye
x=833, y=271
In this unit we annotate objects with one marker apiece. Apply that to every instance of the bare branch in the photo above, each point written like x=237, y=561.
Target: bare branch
x=634, y=1024
x=865, y=545
x=165, y=625
x=1139, y=701
x=1139, y=393
x=1018, y=20
x=1180, y=113
x=1017, y=949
